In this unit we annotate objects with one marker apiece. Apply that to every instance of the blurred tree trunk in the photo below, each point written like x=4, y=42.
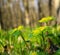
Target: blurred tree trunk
x=32, y=13
x=48, y=8
x=54, y=8
x=43, y=9
x=0, y=14
x=11, y=14
x=26, y=12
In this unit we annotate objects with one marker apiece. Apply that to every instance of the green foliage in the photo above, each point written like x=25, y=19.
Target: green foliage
x=44, y=40
x=57, y=52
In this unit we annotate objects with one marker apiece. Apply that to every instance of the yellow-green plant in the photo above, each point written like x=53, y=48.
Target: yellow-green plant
x=46, y=19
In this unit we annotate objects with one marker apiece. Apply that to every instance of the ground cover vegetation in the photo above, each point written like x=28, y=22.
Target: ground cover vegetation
x=42, y=40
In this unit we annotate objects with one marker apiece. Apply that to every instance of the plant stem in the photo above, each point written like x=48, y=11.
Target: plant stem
x=24, y=40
